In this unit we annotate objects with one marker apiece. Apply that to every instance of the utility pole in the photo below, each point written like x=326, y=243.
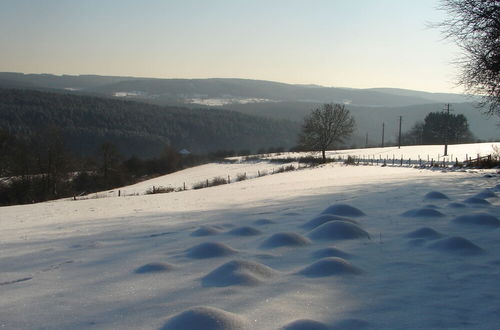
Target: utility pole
x=383, y=132
x=447, y=129
x=366, y=141
x=399, y=139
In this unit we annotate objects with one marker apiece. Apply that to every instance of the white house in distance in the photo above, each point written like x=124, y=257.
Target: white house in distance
x=184, y=152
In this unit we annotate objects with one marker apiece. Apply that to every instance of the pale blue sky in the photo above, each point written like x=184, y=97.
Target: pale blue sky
x=360, y=44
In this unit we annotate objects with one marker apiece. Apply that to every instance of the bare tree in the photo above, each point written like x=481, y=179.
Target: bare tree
x=474, y=25
x=325, y=127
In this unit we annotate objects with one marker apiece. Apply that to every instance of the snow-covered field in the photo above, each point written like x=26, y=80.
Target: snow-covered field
x=255, y=255
x=424, y=152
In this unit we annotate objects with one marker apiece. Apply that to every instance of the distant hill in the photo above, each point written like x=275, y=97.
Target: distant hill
x=270, y=99
x=185, y=91
x=138, y=128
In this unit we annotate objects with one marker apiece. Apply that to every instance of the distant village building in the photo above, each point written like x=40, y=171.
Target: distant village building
x=184, y=152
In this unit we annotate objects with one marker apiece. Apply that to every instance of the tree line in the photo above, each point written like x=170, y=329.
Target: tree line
x=330, y=124
x=42, y=167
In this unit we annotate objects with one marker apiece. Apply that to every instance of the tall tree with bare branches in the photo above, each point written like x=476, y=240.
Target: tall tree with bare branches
x=474, y=25
x=325, y=127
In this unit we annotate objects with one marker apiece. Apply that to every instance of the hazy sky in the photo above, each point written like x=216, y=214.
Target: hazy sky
x=342, y=43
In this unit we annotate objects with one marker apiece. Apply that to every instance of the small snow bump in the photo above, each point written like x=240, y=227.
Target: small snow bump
x=285, y=239
x=477, y=201
x=343, y=210
x=321, y=219
x=238, y=272
x=423, y=213
x=206, y=231
x=457, y=205
x=244, y=231
x=331, y=252
x=337, y=230
x=486, y=193
x=210, y=250
x=457, y=245
x=435, y=195
x=425, y=232
x=154, y=267
x=206, y=318
x=329, y=267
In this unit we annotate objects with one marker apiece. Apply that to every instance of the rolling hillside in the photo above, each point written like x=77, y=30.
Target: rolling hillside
x=138, y=128
x=329, y=247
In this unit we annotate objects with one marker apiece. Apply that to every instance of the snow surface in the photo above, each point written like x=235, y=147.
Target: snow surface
x=134, y=262
x=424, y=152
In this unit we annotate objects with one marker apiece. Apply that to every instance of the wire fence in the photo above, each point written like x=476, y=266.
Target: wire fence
x=294, y=164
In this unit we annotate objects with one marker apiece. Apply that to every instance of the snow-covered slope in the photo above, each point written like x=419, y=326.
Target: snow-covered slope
x=436, y=152
x=256, y=255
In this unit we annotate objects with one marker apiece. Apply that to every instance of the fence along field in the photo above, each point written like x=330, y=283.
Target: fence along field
x=463, y=156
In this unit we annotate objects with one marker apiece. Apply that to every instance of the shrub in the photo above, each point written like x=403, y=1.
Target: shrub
x=200, y=185
x=159, y=190
x=350, y=161
x=217, y=181
x=286, y=168
x=241, y=176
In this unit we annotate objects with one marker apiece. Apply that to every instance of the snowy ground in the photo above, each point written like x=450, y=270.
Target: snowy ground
x=424, y=152
x=79, y=264
x=191, y=176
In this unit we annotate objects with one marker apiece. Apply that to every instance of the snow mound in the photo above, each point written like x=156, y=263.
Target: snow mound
x=285, y=239
x=423, y=213
x=457, y=205
x=210, y=250
x=486, y=193
x=206, y=318
x=263, y=222
x=305, y=325
x=321, y=219
x=477, y=201
x=343, y=210
x=330, y=266
x=154, y=267
x=497, y=187
x=238, y=272
x=431, y=206
x=482, y=219
x=457, y=245
x=206, y=231
x=338, y=230
x=244, y=231
x=331, y=252
x=425, y=232
x=435, y=195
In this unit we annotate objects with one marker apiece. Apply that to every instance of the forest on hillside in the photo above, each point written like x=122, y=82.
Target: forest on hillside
x=136, y=128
